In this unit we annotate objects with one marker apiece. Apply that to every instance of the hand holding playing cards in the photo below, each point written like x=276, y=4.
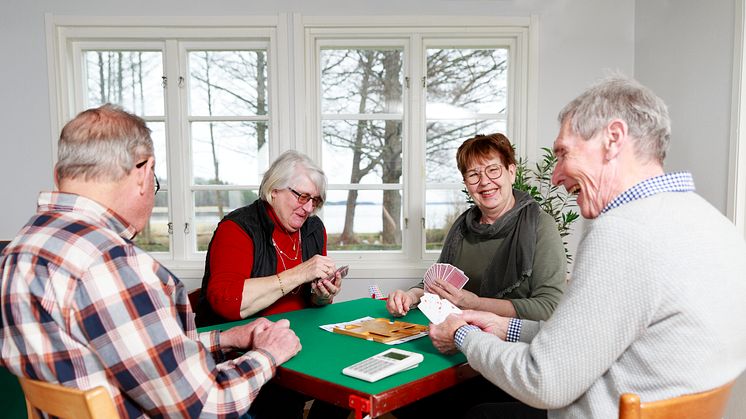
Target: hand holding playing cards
x=459, y=297
x=401, y=301
x=488, y=322
x=323, y=290
x=442, y=333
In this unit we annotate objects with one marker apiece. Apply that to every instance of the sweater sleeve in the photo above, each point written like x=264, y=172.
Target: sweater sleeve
x=604, y=311
x=231, y=261
x=547, y=281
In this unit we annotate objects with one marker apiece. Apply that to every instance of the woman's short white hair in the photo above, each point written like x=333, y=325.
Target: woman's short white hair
x=102, y=143
x=624, y=98
x=288, y=167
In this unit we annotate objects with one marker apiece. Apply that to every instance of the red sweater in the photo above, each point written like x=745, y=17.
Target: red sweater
x=231, y=261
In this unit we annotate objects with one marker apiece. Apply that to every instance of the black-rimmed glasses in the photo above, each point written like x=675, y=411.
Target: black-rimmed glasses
x=156, y=184
x=493, y=171
x=304, y=197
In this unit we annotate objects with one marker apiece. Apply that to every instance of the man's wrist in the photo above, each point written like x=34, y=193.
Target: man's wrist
x=461, y=333
x=514, y=330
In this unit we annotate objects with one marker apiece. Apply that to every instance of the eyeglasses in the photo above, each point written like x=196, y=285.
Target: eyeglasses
x=304, y=197
x=157, y=184
x=493, y=171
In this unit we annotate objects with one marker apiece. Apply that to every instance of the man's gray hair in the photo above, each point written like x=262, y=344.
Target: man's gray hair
x=285, y=169
x=102, y=143
x=624, y=98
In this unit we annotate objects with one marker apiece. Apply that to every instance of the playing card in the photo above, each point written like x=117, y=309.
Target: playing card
x=342, y=270
x=457, y=278
x=447, y=272
x=436, y=309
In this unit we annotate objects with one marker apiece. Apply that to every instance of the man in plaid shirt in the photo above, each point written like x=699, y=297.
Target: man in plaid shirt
x=83, y=306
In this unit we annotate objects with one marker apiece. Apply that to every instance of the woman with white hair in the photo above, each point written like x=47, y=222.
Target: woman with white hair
x=270, y=257
x=265, y=258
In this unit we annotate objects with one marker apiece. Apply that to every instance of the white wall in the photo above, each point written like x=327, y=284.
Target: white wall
x=575, y=47
x=684, y=52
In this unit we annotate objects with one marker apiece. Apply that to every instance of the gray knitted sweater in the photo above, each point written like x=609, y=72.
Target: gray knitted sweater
x=656, y=306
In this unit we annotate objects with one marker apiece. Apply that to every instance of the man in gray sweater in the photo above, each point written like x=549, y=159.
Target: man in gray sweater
x=657, y=301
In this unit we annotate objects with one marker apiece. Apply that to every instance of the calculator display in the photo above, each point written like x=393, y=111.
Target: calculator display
x=395, y=355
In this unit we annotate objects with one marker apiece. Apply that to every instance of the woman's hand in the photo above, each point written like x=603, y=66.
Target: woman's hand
x=461, y=298
x=324, y=290
x=400, y=301
x=316, y=267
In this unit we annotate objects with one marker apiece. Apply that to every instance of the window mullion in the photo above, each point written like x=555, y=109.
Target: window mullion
x=416, y=121
x=178, y=156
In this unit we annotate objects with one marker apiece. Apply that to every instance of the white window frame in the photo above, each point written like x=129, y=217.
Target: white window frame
x=417, y=33
x=736, y=202
x=66, y=35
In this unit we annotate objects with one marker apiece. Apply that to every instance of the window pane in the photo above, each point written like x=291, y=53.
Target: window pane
x=367, y=152
x=155, y=237
x=444, y=138
x=229, y=153
x=471, y=80
x=211, y=206
x=363, y=220
x=442, y=209
x=228, y=83
x=158, y=134
x=131, y=79
x=360, y=81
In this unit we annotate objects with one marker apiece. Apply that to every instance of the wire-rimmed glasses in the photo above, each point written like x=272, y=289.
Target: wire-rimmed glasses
x=493, y=171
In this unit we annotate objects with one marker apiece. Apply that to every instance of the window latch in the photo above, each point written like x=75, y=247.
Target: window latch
x=164, y=81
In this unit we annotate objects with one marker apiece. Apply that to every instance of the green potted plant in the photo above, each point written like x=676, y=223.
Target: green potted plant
x=554, y=200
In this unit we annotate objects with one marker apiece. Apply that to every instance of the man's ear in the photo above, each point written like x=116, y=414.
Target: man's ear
x=615, y=139
x=141, y=176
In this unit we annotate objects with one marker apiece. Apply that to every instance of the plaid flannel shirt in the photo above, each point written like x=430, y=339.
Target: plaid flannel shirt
x=83, y=306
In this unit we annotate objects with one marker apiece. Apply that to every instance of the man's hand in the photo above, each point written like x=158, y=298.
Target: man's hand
x=241, y=337
x=400, y=301
x=279, y=340
x=488, y=322
x=461, y=298
x=442, y=334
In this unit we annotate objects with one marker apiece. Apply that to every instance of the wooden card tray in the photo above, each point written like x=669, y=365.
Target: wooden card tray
x=381, y=330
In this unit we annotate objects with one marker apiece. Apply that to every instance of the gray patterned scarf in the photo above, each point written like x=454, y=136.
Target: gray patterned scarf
x=513, y=260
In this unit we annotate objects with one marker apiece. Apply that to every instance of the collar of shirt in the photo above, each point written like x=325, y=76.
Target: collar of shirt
x=668, y=182
x=97, y=213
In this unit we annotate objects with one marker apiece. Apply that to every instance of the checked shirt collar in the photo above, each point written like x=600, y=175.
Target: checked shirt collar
x=669, y=182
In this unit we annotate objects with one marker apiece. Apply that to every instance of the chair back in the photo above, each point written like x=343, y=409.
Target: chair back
x=67, y=403
x=709, y=404
x=194, y=298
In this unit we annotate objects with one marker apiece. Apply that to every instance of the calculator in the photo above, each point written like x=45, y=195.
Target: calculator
x=384, y=364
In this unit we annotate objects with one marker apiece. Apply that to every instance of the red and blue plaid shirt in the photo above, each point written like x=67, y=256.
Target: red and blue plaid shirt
x=83, y=306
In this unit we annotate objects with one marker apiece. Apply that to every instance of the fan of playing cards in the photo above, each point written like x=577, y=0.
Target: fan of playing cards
x=447, y=272
x=436, y=309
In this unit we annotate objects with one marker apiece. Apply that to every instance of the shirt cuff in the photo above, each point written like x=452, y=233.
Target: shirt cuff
x=461, y=334
x=514, y=330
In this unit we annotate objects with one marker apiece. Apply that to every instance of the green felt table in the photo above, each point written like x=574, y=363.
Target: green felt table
x=317, y=369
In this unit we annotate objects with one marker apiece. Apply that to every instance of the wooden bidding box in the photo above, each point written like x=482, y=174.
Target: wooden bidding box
x=381, y=330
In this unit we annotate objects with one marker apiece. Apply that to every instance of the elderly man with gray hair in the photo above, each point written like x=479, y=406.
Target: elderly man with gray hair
x=83, y=306
x=655, y=305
